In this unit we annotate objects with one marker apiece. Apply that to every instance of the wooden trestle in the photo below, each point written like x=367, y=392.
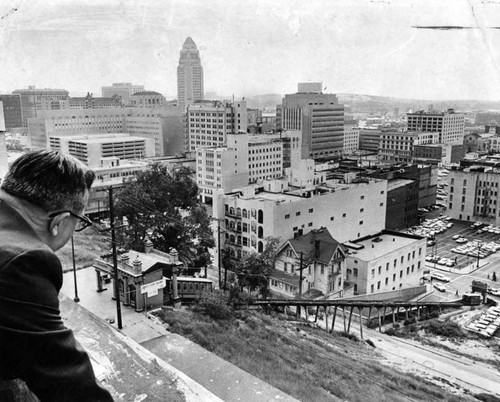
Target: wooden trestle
x=360, y=305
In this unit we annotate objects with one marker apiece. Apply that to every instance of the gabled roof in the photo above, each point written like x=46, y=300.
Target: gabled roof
x=317, y=245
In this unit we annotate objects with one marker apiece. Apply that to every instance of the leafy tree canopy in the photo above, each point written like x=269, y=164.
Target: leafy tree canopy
x=255, y=269
x=165, y=207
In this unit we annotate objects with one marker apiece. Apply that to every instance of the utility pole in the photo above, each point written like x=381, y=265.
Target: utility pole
x=115, y=262
x=218, y=253
x=300, y=281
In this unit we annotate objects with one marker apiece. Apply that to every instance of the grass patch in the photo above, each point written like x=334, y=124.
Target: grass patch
x=303, y=361
x=89, y=244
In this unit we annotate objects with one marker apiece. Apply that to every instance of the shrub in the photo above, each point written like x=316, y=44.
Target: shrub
x=214, y=304
x=348, y=335
x=448, y=329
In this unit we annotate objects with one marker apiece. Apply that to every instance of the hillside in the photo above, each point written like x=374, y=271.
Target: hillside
x=305, y=361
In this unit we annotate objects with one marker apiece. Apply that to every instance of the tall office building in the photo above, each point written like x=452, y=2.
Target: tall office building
x=34, y=100
x=319, y=116
x=449, y=125
x=12, y=111
x=189, y=75
x=209, y=122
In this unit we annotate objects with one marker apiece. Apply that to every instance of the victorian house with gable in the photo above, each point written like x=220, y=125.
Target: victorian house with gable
x=322, y=260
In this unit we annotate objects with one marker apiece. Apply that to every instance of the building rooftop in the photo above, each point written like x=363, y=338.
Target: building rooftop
x=378, y=245
x=146, y=93
x=396, y=183
x=317, y=245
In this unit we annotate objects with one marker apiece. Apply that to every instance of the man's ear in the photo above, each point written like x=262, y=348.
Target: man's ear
x=55, y=222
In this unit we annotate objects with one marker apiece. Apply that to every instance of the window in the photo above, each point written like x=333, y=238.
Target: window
x=373, y=273
x=361, y=210
x=297, y=213
x=362, y=197
x=395, y=261
x=401, y=273
x=372, y=288
x=386, y=281
x=387, y=267
x=343, y=215
x=287, y=216
x=394, y=277
x=311, y=210
x=360, y=222
x=418, y=265
x=379, y=269
x=355, y=272
x=402, y=259
x=378, y=285
x=420, y=251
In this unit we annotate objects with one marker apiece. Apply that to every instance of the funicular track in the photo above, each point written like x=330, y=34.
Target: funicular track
x=349, y=306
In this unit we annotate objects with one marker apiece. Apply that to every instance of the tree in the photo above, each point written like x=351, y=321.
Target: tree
x=256, y=268
x=164, y=207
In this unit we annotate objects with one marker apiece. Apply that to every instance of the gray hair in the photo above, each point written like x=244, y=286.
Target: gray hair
x=50, y=180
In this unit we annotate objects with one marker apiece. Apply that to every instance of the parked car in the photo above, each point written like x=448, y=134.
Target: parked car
x=440, y=277
x=461, y=240
x=455, y=237
x=440, y=287
x=494, y=292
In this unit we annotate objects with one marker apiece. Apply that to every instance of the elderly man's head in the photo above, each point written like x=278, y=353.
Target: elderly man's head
x=57, y=184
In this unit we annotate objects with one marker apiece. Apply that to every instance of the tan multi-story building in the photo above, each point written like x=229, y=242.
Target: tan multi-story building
x=474, y=194
x=251, y=215
x=91, y=149
x=166, y=126
x=320, y=118
x=399, y=146
x=385, y=261
x=245, y=159
x=75, y=121
x=209, y=122
x=123, y=89
x=34, y=100
x=449, y=125
x=190, y=87
x=351, y=140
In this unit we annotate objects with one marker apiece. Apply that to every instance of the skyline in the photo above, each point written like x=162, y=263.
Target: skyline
x=256, y=47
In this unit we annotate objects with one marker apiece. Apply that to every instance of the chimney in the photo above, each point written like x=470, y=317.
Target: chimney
x=137, y=264
x=125, y=259
x=174, y=254
x=148, y=246
x=316, y=248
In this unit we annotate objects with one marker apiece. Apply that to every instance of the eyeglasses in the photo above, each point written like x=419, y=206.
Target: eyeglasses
x=83, y=221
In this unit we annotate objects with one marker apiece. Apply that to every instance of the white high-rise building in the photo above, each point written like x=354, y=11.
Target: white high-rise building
x=209, y=122
x=449, y=125
x=189, y=75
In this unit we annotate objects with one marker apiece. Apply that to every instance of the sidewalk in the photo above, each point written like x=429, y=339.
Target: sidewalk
x=223, y=379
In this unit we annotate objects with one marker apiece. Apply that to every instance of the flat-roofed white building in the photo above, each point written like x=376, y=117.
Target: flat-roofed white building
x=385, y=261
x=92, y=148
x=245, y=159
x=251, y=215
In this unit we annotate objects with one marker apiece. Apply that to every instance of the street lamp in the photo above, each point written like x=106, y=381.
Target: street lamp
x=479, y=245
x=76, y=298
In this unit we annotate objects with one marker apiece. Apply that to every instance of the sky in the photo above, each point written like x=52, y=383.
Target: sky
x=250, y=47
